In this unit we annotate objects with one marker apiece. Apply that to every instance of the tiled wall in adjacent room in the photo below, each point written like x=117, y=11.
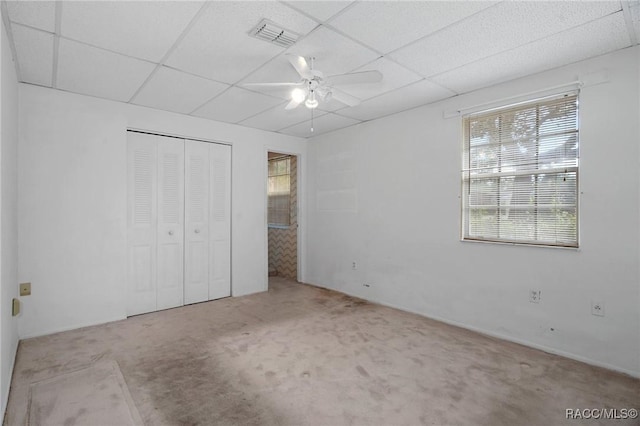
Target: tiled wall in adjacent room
x=283, y=248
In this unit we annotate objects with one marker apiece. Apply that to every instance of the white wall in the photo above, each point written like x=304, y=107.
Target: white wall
x=8, y=216
x=385, y=194
x=72, y=206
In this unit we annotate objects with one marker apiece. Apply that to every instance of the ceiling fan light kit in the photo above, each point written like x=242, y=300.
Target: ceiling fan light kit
x=311, y=102
x=312, y=82
x=298, y=95
x=314, y=85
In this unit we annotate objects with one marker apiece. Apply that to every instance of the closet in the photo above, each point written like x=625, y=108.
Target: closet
x=178, y=222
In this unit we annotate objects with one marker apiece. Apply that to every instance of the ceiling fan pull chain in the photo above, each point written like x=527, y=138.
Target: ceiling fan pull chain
x=311, y=121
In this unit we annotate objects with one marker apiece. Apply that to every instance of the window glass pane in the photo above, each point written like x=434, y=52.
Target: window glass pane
x=278, y=190
x=520, y=177
x=483, y=222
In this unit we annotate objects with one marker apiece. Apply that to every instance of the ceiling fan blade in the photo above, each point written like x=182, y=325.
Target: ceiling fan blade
x=293, y=104
x=271, y=84
x=301, y=66
x=343, y=97
x=354, y=78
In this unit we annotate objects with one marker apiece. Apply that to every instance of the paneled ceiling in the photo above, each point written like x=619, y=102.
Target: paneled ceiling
x=195, y=57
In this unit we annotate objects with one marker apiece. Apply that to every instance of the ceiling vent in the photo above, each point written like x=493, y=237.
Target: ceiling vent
x=274, y=33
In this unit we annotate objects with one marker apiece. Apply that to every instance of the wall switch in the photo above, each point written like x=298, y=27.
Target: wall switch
x=15, y=307
x=597, y=308
x=25, y=289
x=534, y=296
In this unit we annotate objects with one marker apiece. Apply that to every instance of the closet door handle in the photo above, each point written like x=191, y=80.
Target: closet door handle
x=197, y=231
x=170, y=232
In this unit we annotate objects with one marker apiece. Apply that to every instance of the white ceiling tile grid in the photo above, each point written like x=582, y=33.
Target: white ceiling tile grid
x=177, y=91
x=91, y=71
x=278, y=118
x=505, y=26
x=34, y=51
x=237, y=104
x=193, y=57
x=416, y=94
x=323, y=124
x=319, y=10
x=388, y=25
x=37, y=14
x=393, y=77
x=219, y=46
x=334, y=53
x=142, y=29
x=589, y=40
x=635, y=18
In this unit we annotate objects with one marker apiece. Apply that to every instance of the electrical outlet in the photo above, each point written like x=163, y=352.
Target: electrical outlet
x=354, y=266
x=25, y=289
x=597, y=308
x=534, y=296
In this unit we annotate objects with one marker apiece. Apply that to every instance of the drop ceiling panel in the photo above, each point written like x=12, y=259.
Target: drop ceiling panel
x=320, y=10
x=334, y=53
x=331, y=105
x=457, y=45
x=143, y=29
x=393, y=77
x=388, y=25
x=278, y=118
x=38, y=14
x=96, y=72
x=592, y=39
x=219, y=46
x=497, y=29
x=323, y=124
x=34, y=50
x=416, y=94
x=279, y=70
x=236, y=104
x=177, y=91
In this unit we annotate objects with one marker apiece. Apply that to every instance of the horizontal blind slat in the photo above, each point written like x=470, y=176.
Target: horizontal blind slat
x=520, y=172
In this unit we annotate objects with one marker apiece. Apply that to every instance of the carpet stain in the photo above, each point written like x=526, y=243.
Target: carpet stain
x=295, y=356
x=362, y=371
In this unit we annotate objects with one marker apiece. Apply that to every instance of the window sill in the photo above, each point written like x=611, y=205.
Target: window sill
x=507, y=243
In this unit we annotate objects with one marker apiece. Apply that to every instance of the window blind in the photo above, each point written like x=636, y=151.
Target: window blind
x=520, y=173
x=279, y=190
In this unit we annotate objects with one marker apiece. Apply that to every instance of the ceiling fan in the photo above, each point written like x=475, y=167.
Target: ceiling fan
x=313, y=85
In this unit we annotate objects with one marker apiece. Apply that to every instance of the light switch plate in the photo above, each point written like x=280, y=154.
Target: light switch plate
x=25, y=289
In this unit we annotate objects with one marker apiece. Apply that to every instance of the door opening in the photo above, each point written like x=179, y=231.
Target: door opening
x=282, y=215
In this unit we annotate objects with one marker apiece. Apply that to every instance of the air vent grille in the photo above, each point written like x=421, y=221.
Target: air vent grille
x=273, y=33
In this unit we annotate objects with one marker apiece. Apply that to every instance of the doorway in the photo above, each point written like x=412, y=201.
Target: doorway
x=282, y=215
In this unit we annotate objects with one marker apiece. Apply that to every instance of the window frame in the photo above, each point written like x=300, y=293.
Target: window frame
x=277, y=225
x=465, y=181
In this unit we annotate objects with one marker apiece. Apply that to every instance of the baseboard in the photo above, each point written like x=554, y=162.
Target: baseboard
x=580, y=358
x=70, y=327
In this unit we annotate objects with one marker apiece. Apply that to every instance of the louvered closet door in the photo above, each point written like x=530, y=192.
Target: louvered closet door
x=220, y=222
x=170, y=222
x=141, y=223
x=197, y=170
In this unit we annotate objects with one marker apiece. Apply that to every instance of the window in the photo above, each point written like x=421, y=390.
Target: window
x=520, y=173
x=279, y=191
